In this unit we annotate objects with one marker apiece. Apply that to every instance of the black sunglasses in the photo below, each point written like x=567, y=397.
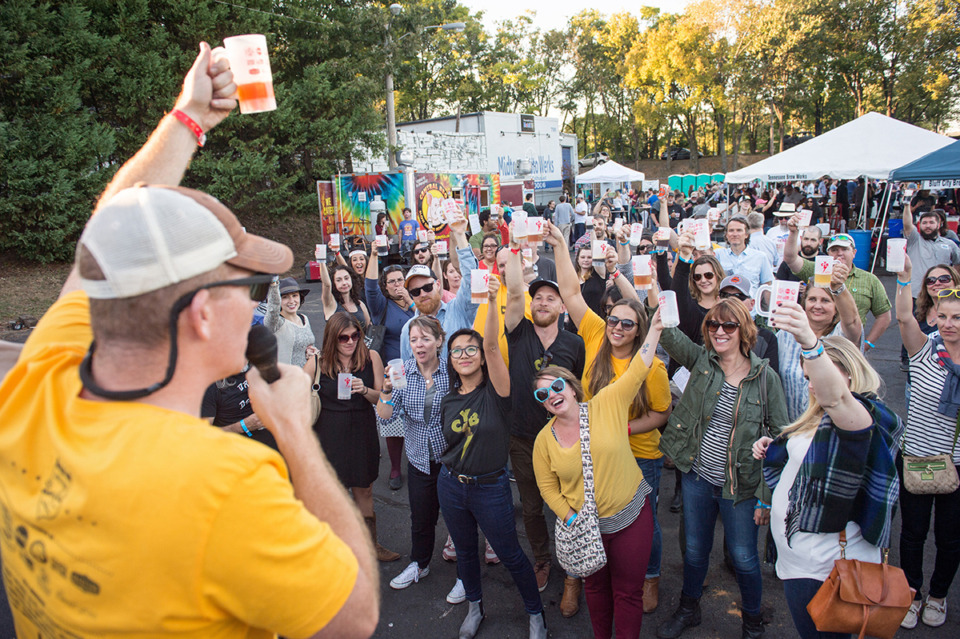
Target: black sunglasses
x=544, y=361
x=643, y=249
x=943, y=279
x=725, y=295
x=426, y=288
x=422, y=250
x=346, y=339
x=698, y=276
x=628, y=324
x=728, y=327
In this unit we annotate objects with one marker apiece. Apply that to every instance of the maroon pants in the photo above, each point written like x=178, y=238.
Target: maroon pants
x=615, y=593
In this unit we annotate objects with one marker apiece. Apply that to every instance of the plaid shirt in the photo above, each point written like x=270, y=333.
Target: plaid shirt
x=423, y=440
x=865, y=287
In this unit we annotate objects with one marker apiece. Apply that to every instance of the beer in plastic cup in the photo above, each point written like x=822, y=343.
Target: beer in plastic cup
x=382, y=246
x=589, y=221
x=599, y=252
x=669, y=314
x=636, y=234
x=661, y=237
x=780, y=291
x=617, y=225
x=520, y=233
x=321, y=252
x=450, y=210
x=422, y=236
x=642, y=275
x=896, y=254
x=534, y=230
x=823, y=271
x=496, y=211
x=343, y=385
x=334, y=242
x=251, y=71
x=713, y=215
x=806, y=216
x=475, y=223
x=479, y=285
x=701, y=236
x=398, y=377
x=442, y=250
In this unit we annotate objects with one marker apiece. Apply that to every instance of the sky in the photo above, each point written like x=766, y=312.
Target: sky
x=555, y=13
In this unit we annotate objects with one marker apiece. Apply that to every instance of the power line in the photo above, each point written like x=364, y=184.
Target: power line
x=270, y=13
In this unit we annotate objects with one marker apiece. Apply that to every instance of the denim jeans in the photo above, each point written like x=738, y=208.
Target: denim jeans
x=424, y=512
x=702, y=502
x=652, y=468
x=799, y=592
x=579, y=229
x=464, y=507
x=534, y=524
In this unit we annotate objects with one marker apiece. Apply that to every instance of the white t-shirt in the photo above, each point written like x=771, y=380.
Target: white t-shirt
x=810, y=555
x=580, y=213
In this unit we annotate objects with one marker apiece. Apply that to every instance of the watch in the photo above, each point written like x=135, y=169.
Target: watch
x=842, y=288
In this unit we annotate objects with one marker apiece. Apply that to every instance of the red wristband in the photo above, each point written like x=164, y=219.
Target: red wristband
x=514, y=251
x=191, y=124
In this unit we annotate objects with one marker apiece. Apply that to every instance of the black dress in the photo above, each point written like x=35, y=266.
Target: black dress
x=348, y=432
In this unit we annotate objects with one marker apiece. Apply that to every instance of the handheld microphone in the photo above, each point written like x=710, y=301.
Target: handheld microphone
x=262, y=352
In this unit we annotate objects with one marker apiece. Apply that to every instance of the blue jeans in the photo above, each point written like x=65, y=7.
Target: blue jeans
x=799, y=592
x=702, y=502
x=651, y=469
x=464, y=507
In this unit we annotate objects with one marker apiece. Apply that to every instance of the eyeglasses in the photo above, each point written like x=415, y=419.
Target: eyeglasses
x=947, y=292
x=490, y=247
x=469, y=351
x=943, y=279
x=346, y=339
x=556, y=386
x=426, y=288
x=708, y=275
x=628, y=324
x=728, y=327
x=725, y=295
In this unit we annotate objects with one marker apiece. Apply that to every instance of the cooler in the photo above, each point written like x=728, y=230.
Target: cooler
x=862, y=241
x=895, y=228
x=311, y=271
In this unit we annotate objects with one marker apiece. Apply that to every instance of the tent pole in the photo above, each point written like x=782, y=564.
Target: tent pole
x=884, y=207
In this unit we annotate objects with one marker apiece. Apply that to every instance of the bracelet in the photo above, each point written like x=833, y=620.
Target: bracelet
x=572, y=517
x=623, y=243
x=680, y=257
x=390, y=403
x=515, y=251
x=907, y=283
x=243, y=425
x=760, y=504
x=191, y=124
x=870, y=344
x=813, y=353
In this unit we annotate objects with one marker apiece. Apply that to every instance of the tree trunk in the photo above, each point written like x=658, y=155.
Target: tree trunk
x=694, y=154
x=721, y=142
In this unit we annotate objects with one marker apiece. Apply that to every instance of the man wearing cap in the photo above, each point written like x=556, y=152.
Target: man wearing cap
x=865, y=287
x=425, y=292
x=925, y=246
x=132, y=515
x=766, y=346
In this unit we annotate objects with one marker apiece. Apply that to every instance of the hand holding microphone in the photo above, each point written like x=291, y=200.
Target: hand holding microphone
x=280, y=393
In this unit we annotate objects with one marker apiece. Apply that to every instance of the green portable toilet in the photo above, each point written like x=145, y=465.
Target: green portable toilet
x=702, y=180
x=675, y=182
x=689, y=182
x=719, y=177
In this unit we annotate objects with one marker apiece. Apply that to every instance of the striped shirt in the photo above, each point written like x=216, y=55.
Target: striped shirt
x=712, y=460
x=928, y=432
x=629, y=513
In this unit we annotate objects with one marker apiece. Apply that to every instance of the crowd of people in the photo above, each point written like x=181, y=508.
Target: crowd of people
x=563, y=377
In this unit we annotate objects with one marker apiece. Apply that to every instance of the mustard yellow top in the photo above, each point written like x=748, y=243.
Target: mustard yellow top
x=559, y=470
x=480, y=321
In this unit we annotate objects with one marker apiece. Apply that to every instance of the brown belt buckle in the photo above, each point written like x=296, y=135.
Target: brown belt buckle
x=465, y=479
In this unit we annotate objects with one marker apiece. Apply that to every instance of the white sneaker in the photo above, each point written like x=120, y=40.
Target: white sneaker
x=410, y=575
x=934, y=613
x=910, y=621
x=457, y=594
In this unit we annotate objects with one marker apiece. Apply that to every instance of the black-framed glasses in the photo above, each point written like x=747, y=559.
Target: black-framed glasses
x=725, y=295
x=628, y=324
x=469, y=351
x=556, y=386
x=709, y=275
x=426, y=288
x=728, y=327
x=346, y=339
x=947, y=292
x=943, y=279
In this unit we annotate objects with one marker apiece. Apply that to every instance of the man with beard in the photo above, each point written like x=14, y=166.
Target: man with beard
x=532, y=347
x=809, y=250
x=925, y=246
x=599, y=233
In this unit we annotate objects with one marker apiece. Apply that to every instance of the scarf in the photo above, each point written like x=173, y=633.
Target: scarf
x=950, y=395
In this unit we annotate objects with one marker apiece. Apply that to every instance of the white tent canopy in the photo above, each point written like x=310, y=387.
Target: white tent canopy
x=872, y=146
x=612, y=172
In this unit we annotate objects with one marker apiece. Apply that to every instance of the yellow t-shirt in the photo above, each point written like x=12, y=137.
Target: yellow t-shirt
x=643, y=445
x=616, y=475
x=481, y=320
x=125, y=519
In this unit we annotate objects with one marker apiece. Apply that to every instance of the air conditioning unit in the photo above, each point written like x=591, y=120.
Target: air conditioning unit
x=523, y=167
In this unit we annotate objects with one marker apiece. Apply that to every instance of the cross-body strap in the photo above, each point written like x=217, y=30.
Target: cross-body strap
x=586, y=458
x=765, y=424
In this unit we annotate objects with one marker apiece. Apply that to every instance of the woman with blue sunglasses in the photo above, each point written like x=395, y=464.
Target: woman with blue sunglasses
x=614, y=594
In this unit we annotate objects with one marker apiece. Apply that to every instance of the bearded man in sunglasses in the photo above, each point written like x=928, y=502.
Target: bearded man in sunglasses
x=165, y=525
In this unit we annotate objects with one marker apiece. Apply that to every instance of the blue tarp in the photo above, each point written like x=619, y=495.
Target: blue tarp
x=943, y=164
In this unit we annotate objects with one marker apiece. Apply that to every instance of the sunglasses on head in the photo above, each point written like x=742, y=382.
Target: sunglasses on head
x=393, y=268
x=943, y=279
x=544, y=361
x=628, y=324
x=947, y=292
x=469, y=351
x=556, y=386
x=728, y=327
x=343, y=338
x=426, y=288
x=725, y=295
x=698, y=276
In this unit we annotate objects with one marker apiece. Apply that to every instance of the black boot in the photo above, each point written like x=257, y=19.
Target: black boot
x=686, y=616
x=752, y=626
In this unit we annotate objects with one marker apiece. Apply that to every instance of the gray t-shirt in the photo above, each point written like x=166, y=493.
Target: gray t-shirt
x=926, y=253
x=563, y=214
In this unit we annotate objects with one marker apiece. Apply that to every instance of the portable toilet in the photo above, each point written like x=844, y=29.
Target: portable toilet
x=675, y=182
x=689, y=183
x=702, y=180
x=718, y=177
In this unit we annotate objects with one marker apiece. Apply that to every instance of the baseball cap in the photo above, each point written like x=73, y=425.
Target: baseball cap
x=841, y=239
x=740, y=283
x=536, y=285
x=418, y=270
x=148, y=237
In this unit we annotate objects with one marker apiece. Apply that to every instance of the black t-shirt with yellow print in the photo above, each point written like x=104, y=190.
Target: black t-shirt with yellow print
x=475, y=427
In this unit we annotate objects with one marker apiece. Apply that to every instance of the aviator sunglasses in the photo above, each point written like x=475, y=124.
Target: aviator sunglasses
x=698, y=276
x=557, y=386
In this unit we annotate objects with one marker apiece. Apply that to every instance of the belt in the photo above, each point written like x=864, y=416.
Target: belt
x=489, y=478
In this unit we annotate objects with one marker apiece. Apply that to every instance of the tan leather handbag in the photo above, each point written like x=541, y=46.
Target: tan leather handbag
x=861, y=598
x=932, y=475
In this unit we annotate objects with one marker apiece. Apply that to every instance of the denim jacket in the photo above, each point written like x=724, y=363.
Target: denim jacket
x=688, y=422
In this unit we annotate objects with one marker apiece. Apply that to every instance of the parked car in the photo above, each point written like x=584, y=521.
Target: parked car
x=679, y=153
x=593, y=159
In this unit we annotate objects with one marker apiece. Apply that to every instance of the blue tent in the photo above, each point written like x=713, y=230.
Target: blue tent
x=942, y=164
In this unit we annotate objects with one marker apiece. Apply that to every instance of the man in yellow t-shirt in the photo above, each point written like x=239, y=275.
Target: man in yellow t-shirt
x=124, y=513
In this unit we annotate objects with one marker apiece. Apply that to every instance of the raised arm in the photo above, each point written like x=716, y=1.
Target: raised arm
x=272, y=319
x=496, y=367
x=908, y=226
x=513, y=313
x=326, y=292
x=567, y=278
x=910, y=334
x=791, y=250
x=850, y=322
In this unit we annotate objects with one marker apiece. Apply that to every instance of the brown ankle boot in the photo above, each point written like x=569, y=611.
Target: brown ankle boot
x=382, y=553
x=651, y=594
x=570, y=603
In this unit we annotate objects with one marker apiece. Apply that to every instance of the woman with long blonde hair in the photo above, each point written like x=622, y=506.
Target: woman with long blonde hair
x=845, y=437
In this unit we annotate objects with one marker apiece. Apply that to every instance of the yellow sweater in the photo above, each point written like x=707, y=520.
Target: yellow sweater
x=559, y=470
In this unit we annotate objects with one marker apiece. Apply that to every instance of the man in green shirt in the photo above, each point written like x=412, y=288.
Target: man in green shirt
x=865, y=287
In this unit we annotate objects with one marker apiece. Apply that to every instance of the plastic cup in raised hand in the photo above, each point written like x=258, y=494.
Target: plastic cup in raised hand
x=780, y=291
x=334, y=242
x=442, y=248
x=479, y=284
x=398, y=376
x=642, y=274
x=636, y=234
x=823, y=271
x=896, y=254
x=669, y=313
x=383, y=248
x=321, y=253
x=251, y=72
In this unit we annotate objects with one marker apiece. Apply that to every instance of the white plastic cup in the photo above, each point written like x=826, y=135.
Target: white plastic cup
x=823, y=271
x=334, y=242
x=398, y=377
x=320, y=253
x=422, y=236
x=442, y=250
x=669, y=313
x=599, y=252
x=450, y=210
x=780, y=291
x=251, y=72
x=636, y=234
x=474, y=223
x=642, y=274
x=479, y=285
x=617, y=225
x=806, y=216
x=534, y=230
x=382, y=247
x=589, y=221
x=661, y=237
x=344, y=380
x=896, y=254
x=520, y=232
x=496, y=211
x=701, y=236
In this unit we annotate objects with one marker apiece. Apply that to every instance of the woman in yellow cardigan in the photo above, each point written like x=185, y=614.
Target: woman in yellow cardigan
x=614, y=594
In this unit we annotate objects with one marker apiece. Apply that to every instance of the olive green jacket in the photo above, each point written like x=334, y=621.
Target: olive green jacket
x=688, y=422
